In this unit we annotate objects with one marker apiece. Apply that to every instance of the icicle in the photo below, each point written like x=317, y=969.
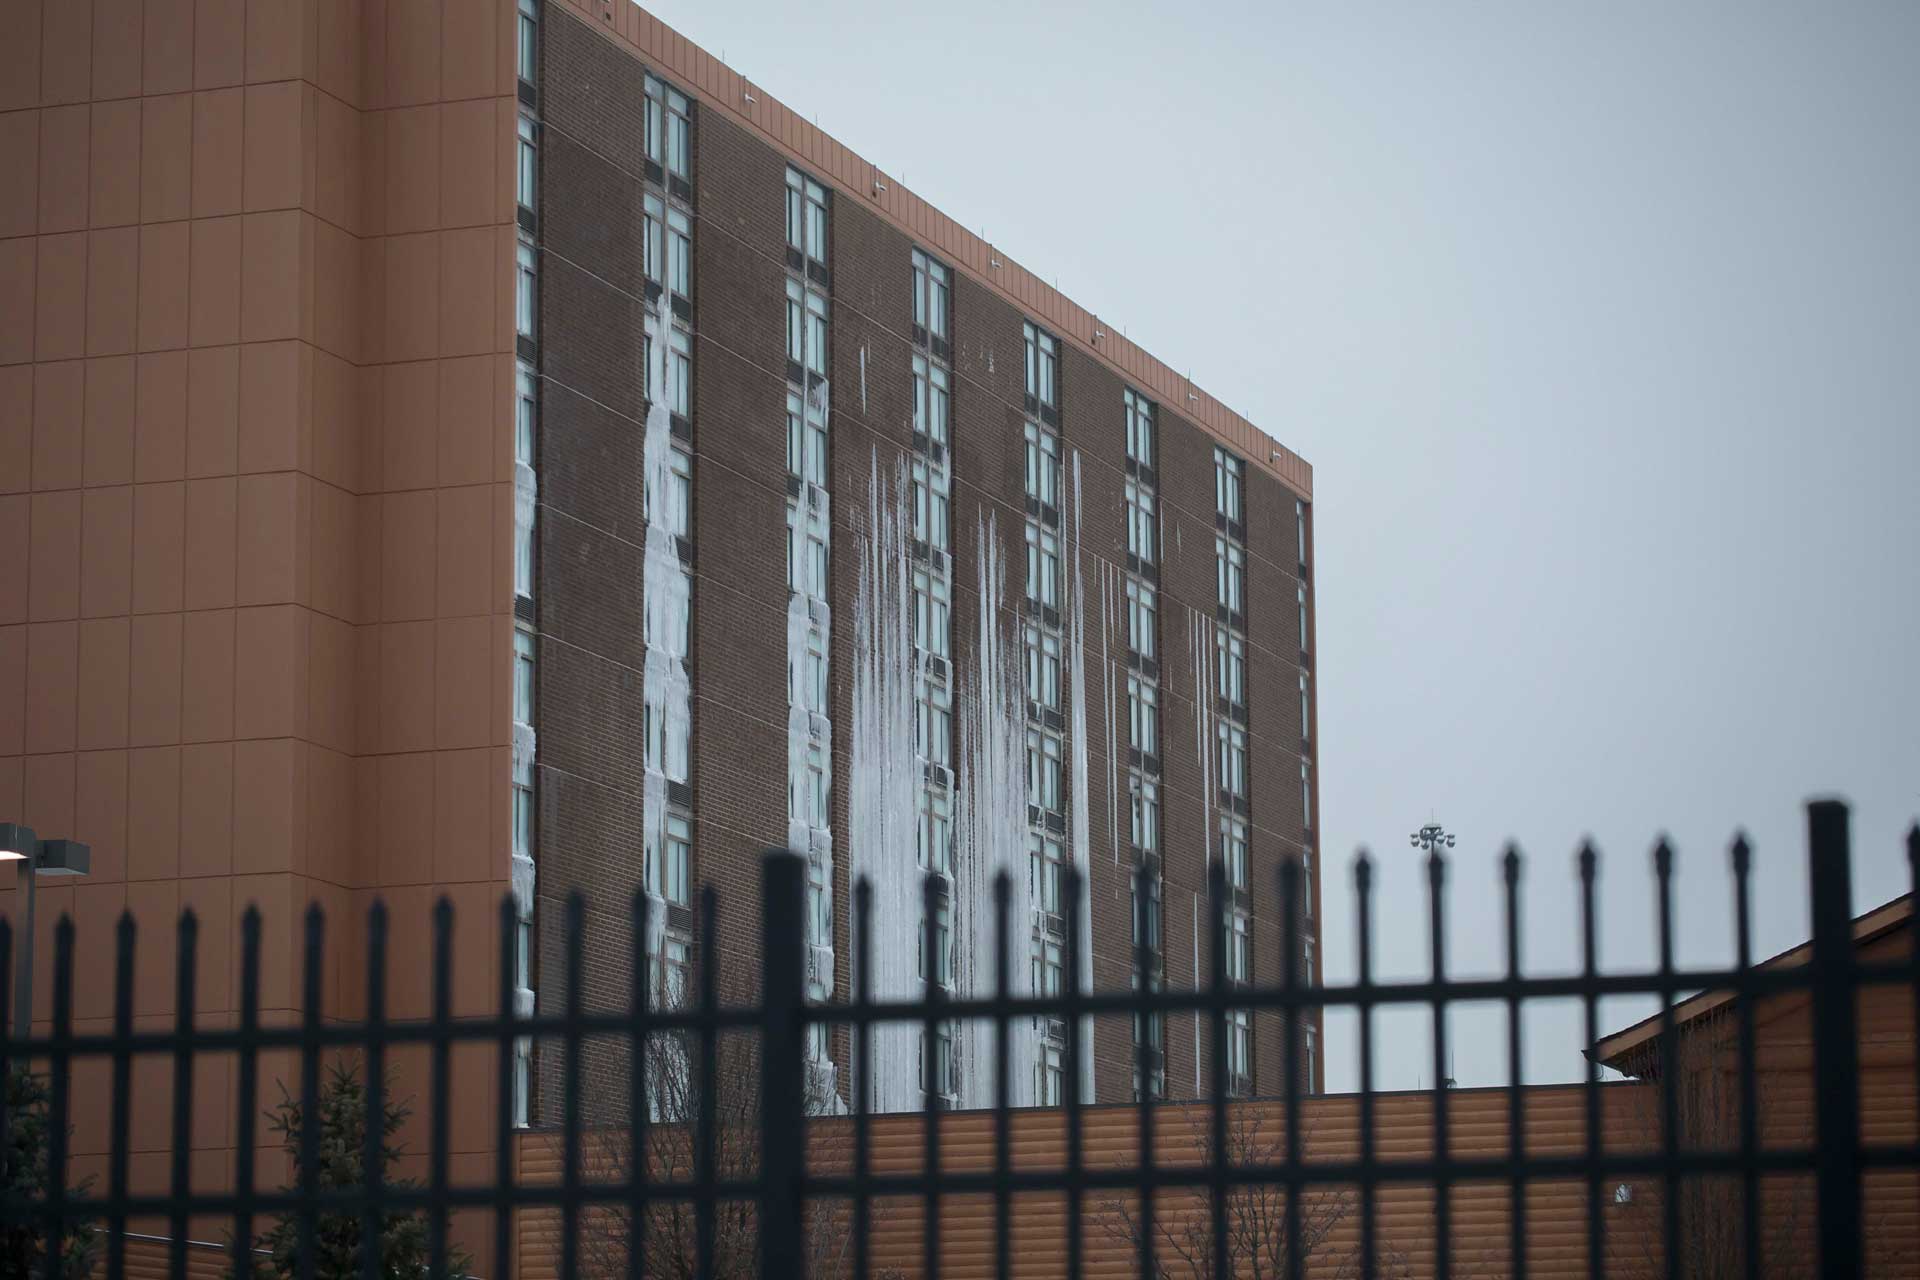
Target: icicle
x=1077, y=817
x=1197, y=1091
x=665, y=599
x=526, y=495
x=991, y=821
x=884, y=790
x=1109, y=575
x=522, y=746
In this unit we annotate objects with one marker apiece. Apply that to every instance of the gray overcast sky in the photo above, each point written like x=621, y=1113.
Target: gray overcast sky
x=1599, y=326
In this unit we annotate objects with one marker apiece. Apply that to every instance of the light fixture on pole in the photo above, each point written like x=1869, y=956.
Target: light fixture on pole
x=18, y=843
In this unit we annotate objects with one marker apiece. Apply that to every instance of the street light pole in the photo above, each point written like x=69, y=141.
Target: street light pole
x=1433, y=838
x=40, y=858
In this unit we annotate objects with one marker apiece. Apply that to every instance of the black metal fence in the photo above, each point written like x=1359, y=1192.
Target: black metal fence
x=782, y=1184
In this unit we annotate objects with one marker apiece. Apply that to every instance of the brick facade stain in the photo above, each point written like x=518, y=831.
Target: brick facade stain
x=591, y=532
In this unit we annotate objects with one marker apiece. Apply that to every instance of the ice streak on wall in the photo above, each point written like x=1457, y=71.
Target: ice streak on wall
x=991, y=825
x=883, y=793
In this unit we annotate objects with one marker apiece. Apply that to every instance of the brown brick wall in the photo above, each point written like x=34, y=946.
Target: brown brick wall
x=740, y=495
x=590, y=541
x=590, y=535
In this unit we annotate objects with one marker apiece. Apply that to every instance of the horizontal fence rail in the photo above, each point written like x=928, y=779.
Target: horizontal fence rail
x=1185, y=1174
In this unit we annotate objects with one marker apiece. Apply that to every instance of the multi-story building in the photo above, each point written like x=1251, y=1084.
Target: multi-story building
x=393, y=404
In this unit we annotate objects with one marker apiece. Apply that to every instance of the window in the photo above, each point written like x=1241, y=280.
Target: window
x=807, y=789
x=1143, y=716
x=1230, y=575
x=669, y=130
x=1045, y=853
x=1149, y=1029
x=1140, y=521
x=1041, y=367
x=678, y=516
x=653, y=226
x=1239, y=948
x=806, y=438
x=816, y=360
x=670, y=972
x=1233, y=851
x=522, y=677
x=529, y=42
x=1043, y=667
x=801, y=351
x=1306, y=710
x=1230, y=661
x=944, y=1083
x=814, y=802
x=523, y=559
x=1043, y=466
x=1139, y=429
x=666, y=736
x=1306, y=962
x=680, y=372
x=679, y=253
x=1146, y=915
x=523, y=808
x=1306, y=795
x=1043, y=770
x=930, y=400
x=1313, y=1063
x=939, y=946
x=934, y=840
x=807, y=677
x=1301, y=595
x=930, y=300
x=813, y=690
x=668, y=628
x=933, y=722
x=1144, y=807
x=930, y=504
x=819, y=915
x=667, y=869
x=806, y=553
x=1140, y=618
x=931, y=616
x=528, y=166
x=523, y=282
x=525, y=406
x=523, y=1047
x=1239, y=1047
x=523, y=761
x=1048, y=967
x=1300, y=521
x=806, y=216
x=1228, y=482
x=1048, y=1069
x=1233, y=760
x=1043, y=566
x=1306, y=881
x=1239, y=1021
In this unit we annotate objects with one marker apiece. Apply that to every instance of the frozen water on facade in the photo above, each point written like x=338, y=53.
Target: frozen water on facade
x=991, y=820
x=1077, y=816
x=664, y=591
x=884, y=791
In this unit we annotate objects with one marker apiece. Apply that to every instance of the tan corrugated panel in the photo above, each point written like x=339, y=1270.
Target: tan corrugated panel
x=148, y=1258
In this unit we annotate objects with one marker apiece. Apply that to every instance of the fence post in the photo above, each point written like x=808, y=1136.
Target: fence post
x=783, y=1136
x=1835, y=1046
